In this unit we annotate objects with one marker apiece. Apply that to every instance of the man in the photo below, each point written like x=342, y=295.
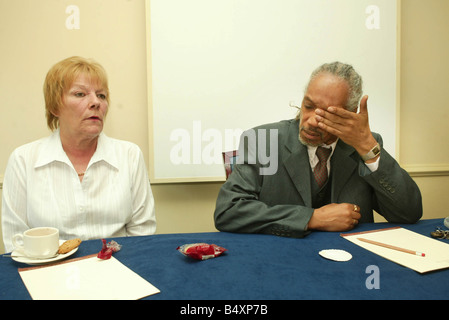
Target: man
x=359, y=176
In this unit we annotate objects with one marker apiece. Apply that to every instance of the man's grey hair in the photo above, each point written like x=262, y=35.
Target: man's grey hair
x=345, y=72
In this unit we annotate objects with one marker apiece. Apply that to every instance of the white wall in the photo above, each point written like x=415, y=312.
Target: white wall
x=27, y=54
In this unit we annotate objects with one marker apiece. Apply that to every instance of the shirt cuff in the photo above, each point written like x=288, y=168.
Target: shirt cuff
x=373, y=165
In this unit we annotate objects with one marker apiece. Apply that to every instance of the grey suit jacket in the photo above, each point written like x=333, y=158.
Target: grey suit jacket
x=281, y=203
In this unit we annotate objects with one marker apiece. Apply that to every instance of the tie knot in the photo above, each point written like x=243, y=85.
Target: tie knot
x=323, y=153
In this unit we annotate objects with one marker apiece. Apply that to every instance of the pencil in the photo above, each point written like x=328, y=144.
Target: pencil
x=389, y=246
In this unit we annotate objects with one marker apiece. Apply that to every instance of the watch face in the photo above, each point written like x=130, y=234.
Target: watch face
x=372, y=154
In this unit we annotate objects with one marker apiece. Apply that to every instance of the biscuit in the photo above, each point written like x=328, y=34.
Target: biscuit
x=69, y=245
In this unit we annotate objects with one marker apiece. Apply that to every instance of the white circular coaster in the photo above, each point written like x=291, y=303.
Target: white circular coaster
x=335, y=254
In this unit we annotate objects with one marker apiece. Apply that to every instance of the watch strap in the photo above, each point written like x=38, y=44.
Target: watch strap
x=374, y=152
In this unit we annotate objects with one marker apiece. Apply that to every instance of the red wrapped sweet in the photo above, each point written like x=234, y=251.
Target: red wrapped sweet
x=108, y=249
x=201, y=251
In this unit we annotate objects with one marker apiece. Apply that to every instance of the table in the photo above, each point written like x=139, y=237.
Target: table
x=260, y=267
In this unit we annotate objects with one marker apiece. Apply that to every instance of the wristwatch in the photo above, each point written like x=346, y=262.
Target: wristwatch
x=374, y=152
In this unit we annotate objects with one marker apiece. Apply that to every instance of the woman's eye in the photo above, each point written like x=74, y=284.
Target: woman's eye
x=101, y=96
x=79, y=94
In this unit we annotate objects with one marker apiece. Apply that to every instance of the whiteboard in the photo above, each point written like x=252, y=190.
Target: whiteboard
x=218, y=67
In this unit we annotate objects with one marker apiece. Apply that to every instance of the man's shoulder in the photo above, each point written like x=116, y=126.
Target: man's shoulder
x=376, y=136
x=280, y=125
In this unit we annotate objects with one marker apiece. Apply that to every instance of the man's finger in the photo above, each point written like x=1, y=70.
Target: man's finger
x=364, y=105
x=341, y=112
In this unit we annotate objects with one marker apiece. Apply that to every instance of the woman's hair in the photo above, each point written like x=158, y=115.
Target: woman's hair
x=60, y=77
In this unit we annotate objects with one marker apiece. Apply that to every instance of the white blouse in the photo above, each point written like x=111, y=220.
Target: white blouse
x=42, y=188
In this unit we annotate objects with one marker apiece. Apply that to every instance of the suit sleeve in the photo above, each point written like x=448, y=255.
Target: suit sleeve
x=397, y=196
x=239, y=208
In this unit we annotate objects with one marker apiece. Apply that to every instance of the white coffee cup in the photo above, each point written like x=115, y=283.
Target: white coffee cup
x=41, y=243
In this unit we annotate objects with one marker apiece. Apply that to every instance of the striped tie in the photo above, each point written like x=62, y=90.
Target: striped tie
x=320, y=171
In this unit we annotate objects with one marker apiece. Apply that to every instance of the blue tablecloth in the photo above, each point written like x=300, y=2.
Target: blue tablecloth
x=260, y=267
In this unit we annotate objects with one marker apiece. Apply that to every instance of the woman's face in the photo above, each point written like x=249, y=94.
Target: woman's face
x=84, y=109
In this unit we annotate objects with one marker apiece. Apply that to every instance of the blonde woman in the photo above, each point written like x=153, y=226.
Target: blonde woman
x=78, y=180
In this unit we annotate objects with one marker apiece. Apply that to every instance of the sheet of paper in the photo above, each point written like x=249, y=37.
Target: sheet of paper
x=86, y=279
x=436, y=252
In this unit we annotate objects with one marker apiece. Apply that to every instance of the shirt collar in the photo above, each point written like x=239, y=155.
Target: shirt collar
x=105, y=151
x=312, y=150
x=53, y=151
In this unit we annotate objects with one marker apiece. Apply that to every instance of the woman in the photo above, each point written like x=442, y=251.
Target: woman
x=78, y=180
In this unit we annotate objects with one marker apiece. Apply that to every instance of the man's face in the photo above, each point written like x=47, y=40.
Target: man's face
x=324, y=90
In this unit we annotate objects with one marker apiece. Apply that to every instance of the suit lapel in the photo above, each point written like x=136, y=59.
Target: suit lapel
x=297, y=163
x=343, y=166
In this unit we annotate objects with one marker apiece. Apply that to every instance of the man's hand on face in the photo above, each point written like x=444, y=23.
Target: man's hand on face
x=351, y=127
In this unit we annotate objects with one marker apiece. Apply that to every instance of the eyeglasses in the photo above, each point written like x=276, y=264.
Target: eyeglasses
x=440, y=233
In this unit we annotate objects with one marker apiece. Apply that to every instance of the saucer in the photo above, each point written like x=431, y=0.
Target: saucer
x=33, y=261
x=335, y=254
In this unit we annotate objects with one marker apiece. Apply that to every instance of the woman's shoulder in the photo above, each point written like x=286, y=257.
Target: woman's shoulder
x=122, y=147
x=31, y=147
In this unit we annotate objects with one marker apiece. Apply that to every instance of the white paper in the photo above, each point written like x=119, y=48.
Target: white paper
x=86, y=279
x=436, y=252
